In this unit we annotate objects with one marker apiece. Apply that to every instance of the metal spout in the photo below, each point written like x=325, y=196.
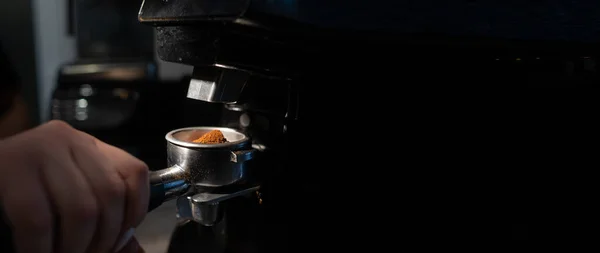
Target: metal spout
x=217, y=85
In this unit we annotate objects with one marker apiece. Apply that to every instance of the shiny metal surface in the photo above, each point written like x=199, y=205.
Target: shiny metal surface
x=211, y=198
x=205, y=208
x=210, y=165
x=206, y=214
x=208, y=168
x=183, y=207
x=217, y=85
x=200, y=165
x=168, y=176
x=172, y=180
x=123, y=71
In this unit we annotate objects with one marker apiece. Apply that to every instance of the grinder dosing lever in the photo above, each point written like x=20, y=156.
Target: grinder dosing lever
x=205, y=208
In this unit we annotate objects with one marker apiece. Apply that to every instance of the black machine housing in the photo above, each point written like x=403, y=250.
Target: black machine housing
x=538, y=42
x=321, y=69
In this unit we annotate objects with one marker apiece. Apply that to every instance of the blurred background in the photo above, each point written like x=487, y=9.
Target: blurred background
x=92, y=64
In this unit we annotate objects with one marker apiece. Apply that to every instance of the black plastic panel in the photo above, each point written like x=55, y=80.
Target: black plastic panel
x=576, y=20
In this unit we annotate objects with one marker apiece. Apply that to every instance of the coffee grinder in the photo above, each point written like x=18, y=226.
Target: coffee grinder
x=285, y=72
x=260, y=113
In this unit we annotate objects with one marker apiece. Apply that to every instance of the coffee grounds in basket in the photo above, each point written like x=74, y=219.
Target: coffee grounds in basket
x=212, y=137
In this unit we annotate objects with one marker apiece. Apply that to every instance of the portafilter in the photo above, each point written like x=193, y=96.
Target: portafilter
x=200, y=165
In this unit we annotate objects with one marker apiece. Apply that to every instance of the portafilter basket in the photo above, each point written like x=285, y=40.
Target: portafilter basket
x=200, y=165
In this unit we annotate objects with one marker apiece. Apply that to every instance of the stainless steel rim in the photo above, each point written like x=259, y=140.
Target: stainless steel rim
x=170, y=138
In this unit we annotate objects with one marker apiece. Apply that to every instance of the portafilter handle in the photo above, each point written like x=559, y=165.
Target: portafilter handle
x=165, y=185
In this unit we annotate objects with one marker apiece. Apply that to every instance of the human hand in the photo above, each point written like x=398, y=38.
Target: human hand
x=64, y=191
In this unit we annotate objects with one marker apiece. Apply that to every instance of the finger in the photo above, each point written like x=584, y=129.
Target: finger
x=133, y=246
x=135, y=174
x=29, y=214
x=74, y=200
x=108, y=188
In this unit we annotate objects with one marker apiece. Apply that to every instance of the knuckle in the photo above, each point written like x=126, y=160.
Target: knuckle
x=115, y=190
x=85, y=211
x=141, y=170
x=59, y=130
x=92, y=141
x=59, y=125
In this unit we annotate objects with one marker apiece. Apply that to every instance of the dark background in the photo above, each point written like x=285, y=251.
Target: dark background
x=17, y=39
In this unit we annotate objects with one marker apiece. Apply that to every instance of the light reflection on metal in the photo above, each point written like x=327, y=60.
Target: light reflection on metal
x=81, y=69
x=86, y=90
x=82, y=103
x=81, y=114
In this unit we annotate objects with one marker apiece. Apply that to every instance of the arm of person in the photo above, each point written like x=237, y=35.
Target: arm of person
x=81, y=194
